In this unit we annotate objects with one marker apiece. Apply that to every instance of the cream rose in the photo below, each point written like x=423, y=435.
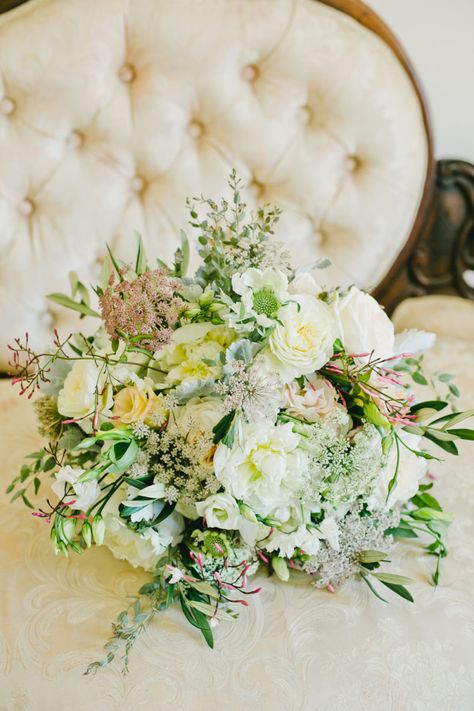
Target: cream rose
x=198, y=416
x=85, y=387
x=364, y=325
x=135, y=403
x=303, y=341
x=220, y=511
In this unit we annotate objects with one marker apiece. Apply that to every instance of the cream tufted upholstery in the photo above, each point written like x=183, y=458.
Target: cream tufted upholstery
x=112, y=112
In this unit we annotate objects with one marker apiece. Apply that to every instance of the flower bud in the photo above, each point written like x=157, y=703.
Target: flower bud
x=192, y=312
x=247, y=513
x=216, y=307
x=281, y=568
x=206, y=298
x=68, y=529
x=86, y=532
x=98, y=529
x=62, y=548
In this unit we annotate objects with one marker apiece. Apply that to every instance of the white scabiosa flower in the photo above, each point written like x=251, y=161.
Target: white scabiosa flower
x=220, y=511
x=265, y=467
x=262, y=293
x=302, y=342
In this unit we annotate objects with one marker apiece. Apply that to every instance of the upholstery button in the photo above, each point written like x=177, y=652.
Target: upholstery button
x=195, y=129
x=250, y=73
x=75, y=139
x=257, y=188
x=7, y=106
x=26, y=207
x=138, y=184
x=352, y=163
x=127, y=73
x=306, y=114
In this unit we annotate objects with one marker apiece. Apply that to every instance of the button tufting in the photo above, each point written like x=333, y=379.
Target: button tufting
x=75, y=139
x=127, y=73
x=256, y=188
x=306, y=114
x=195, y=129
x=138, y=184
x=250, y=72
x=7, y=106
x=26, y=207
x=353, y=163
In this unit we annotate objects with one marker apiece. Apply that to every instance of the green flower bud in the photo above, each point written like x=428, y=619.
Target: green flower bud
x=216, y=307
x=247, y=513
x=68, y=528
x=281, y=568
x=206, y=298
x=86, y=532
x=192, y=312
x=98, y=529
x=62, y=548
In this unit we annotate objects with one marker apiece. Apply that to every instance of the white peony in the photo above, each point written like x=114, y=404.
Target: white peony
x=303, y=342
x=364, y=326
x=265, y=467
x=142, y=550
x=84, y=494
x=85, y=387
x=220, y=511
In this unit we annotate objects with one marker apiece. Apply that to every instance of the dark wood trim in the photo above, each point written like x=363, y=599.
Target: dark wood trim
x=442, y=261
x=6, y=5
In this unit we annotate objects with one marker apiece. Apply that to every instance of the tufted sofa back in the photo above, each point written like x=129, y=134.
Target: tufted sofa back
x=112, y=112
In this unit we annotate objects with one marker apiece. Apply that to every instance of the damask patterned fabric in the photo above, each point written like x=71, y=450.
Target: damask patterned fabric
x=294, y=649
x=113, y=112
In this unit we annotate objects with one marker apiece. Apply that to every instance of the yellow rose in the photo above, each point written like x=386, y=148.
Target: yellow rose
x=134, y=403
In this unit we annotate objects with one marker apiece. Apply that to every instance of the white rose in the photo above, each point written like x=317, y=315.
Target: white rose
x=411, y=470
x=85, y=387
x=220, y=511
x=364, y=325
x=314, y=401
x=142, y=550
x=303, y=342
x=265, y=467
x=85, y=494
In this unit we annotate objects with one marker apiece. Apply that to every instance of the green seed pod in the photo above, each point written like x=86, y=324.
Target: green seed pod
x=98, y=529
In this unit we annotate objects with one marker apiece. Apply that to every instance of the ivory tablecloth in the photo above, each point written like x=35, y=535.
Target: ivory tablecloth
x=294, y=649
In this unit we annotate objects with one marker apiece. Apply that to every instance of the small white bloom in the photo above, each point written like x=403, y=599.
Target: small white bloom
x=173, y=574
x=85, y=494
x=303, y=342
x=364, y=325
x=330, y=532
x=220, y=510
x=305, y=538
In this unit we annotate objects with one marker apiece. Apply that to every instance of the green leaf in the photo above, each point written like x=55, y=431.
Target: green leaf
x=372, y=556
x=366, y=580
x=401, y=532
x=223, y=426
x=419, y=378
x=69, y=303
x=116, y=265
x=454, y=390
x=448, y=446
x=399, y=590
x=197, y=619
x=436, y=405
x=462, y=433
x=454, y=418
x=141, y=260
x=393, y=579
x=428, y=514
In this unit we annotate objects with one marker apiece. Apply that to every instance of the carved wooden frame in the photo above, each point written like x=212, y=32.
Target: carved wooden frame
x=438, y=256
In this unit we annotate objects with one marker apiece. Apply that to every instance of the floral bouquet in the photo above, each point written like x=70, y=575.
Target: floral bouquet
x=242, y=418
